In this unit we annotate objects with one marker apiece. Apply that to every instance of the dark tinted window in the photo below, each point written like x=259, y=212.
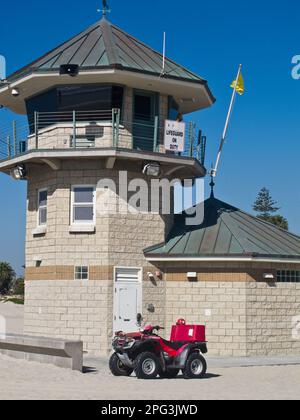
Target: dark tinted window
x=65, y=99
x=89, y=98
x=173, y=109
x=143, y=107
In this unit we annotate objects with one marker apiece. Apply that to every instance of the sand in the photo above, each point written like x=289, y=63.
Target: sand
x=13, y=317
x=30, y=380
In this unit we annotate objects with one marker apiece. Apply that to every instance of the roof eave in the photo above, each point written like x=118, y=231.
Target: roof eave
x=150, y=256
x=18, y=76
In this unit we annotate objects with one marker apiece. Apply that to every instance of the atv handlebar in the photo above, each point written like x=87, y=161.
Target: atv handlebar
x=150, y=331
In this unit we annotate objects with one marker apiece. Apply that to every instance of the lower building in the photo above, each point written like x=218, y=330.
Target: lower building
x=238, y=275
x=234, y=273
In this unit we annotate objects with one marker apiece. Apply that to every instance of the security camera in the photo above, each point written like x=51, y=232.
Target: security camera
x=15, y=92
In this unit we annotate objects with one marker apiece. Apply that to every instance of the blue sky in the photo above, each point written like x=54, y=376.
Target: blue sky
x=210, y=38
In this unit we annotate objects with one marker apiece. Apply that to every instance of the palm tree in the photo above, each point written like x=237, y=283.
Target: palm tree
x=7, y=276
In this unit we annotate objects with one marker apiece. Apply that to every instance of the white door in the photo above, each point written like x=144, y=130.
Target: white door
x=127, y=299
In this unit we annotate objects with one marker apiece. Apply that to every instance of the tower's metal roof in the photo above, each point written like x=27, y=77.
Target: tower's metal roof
x=102, y=46
x=226, y=232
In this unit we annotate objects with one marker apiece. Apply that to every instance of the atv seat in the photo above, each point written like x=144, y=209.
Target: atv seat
x=175, y=345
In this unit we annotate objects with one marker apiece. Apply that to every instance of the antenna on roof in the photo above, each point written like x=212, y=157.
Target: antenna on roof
x=105, y=9
x=212, y=183
x=163, y=72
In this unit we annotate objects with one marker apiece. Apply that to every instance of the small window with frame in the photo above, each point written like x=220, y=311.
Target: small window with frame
x=83, y=205
x=288, y=276
x=81, y=273
x=42, y=207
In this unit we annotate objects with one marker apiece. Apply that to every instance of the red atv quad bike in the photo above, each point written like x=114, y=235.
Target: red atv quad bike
x=149, y=355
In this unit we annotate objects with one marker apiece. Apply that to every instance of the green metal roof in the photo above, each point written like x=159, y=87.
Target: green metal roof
x=104, y=45
x=226, y=232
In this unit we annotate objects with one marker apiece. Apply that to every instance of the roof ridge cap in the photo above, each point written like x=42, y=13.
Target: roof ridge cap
x=232, y=233
x=109, y=42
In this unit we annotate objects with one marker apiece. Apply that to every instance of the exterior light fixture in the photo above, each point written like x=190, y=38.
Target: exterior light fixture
x=268, y=276
x=152, y=169
x=18, y=173
x=191, y=276
x=15, y=92
x=150, y=276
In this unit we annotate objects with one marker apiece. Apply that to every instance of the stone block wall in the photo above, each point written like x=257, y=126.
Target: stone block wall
x=119, y=239
x=270, y=309
x=77, y=310
x=244, y=315
x=56, y=304
x=218, y=305
x=83, y=310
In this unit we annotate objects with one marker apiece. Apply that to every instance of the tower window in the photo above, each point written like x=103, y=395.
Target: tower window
x=94, y=101
x=83, y=205
x=42, y=207
x=81, y=273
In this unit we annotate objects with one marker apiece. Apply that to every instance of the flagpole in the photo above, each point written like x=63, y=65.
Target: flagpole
x=214, y=171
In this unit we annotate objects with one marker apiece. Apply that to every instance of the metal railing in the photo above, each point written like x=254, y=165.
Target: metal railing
x=13, y=138
x=91, y=129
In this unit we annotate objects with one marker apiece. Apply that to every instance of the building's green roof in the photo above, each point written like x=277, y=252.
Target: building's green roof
x=226, y=232
x=102, y=46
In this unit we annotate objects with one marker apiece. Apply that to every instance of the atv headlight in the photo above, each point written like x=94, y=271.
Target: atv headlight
x=129, y=343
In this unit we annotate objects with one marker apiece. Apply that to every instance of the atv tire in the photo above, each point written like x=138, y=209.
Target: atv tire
x=195, y=367
x=146, y=366
x=169, y=374
x=117, y=368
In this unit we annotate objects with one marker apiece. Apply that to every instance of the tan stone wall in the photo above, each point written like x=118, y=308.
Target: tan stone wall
x=270, y=309
x=218, y=305
x=77, y=311
x=119, y=238
x=249, y=316
x=96, y=273
x=60, y=136
x=83, y=310
x=55, y=302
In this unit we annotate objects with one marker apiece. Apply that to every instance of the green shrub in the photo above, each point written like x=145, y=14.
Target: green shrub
x=18, y=287
x=7, y=276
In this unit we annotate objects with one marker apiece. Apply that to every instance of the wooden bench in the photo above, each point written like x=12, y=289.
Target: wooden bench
x=62, y=353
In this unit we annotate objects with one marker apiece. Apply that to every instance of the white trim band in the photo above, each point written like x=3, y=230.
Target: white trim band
x=224, y=259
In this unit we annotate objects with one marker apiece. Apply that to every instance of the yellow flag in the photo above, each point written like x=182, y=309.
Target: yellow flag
x=239, y=85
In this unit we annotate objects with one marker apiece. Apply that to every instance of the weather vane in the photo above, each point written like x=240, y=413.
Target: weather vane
x=105, y=8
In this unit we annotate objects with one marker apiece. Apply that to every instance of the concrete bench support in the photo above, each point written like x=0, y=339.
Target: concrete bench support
x=62, y=353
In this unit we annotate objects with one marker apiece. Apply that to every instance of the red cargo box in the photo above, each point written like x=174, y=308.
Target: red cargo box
x=193, y=333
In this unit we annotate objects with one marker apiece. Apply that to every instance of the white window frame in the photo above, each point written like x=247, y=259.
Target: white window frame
x=81, y=267
x=83, y=222
x=289, y=278
x=41, y=207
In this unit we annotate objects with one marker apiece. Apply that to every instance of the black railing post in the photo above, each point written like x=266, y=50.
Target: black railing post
x=156, y=122
x=36, y=129
x=74, y=129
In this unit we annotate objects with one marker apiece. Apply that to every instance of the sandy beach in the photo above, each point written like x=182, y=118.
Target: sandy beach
x=30, y=380
x=13, y=316
x=21, y=379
